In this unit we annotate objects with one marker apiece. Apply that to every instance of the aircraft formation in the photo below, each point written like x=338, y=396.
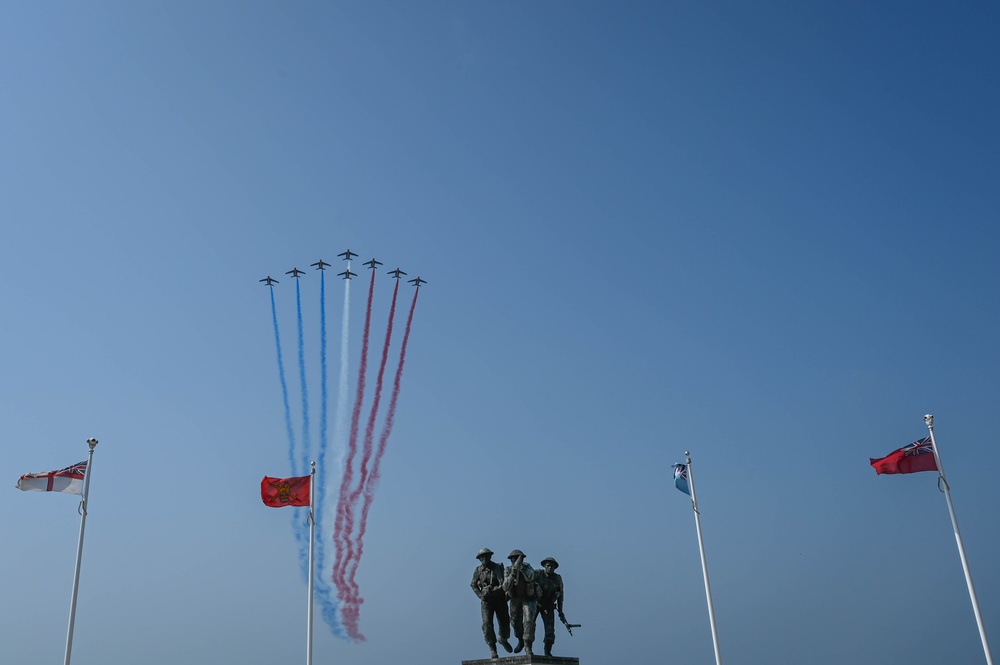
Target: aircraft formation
x=347, y=274
x=359, y=440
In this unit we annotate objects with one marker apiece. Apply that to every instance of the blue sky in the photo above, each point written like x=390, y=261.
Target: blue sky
x=761, y=232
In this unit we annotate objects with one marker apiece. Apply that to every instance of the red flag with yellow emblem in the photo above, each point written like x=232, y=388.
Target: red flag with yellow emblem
x=279, y=492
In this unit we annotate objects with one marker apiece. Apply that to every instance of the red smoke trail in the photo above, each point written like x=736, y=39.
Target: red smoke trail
x=344, y=523
x=365, y=469
x=350, y=619
x=370, y=429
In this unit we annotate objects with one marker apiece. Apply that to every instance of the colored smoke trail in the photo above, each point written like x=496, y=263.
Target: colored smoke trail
x=305, y=452
x=322, y=472
x=340, y=419
x=324, y=591
x=300, y=518
x=377, y=398
x=328, y=503
x=345, y=520
x=301, y=536
x=354, y=596
x=372, y=483
x=324, y=393
x=284, y=384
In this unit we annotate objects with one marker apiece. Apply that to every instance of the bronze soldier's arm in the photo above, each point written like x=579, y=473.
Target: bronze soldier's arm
x=475, y=586
x=559, y=596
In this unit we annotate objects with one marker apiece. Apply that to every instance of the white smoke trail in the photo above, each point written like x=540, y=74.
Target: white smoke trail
x=335, y=461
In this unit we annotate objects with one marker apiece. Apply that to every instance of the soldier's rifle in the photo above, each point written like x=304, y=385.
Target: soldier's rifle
x=517, y=565
x=569, y=626
x=490, y=583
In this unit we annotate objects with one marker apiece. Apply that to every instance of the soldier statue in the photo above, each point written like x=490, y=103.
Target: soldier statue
x=550, y=600
x=522, y=589
x=487, y=584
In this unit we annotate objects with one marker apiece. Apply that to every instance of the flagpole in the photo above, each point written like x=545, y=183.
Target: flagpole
x=92, y=443
x=312, y=540
x=704, y=562
x=943, y=482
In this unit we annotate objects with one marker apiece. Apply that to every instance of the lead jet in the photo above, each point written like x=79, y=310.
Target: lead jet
x=371, y=264
x=395, y=273
x=295, y=272
x=347, y=255
x=320, y=265
x=269, y=281
x=347, y=274
x=417, y=282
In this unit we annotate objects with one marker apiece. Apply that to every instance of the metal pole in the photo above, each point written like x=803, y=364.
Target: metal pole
x=943, y=482
x=704, y=562
x=79, y=550
x=312, y=540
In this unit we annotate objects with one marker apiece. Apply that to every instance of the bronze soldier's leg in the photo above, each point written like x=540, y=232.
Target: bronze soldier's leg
x=503, y=618
x=517, y=617
x=530, y=611
x=488, y=633
x=549, y=622
x=517, y=622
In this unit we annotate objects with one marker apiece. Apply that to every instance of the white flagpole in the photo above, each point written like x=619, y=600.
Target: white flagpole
x=312, y=540
x=943, y=483
x=704, y=562
x=79, y=550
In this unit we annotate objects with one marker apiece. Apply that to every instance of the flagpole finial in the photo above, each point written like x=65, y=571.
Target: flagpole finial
x=929, y=419
x=92, y=442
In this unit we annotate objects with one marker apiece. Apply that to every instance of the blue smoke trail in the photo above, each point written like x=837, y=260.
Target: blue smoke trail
x=300, y=523
x=323, y=387
x=284, y=385
x=324, y=590
x=302, y=538
x=305, y=452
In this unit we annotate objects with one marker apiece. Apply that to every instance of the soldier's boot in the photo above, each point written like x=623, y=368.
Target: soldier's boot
x=493, y=652
x=548, y=648
x=519, y=645
x=527, y=649
x=506, y=644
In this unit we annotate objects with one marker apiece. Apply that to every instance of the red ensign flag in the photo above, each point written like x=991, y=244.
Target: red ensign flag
x=916, y=457
x=278, y=492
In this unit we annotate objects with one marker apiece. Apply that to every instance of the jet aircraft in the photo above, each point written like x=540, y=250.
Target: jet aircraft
x=371, y=264
x=417, y=282
x=395, y=273
x=347, y=274
x=268, y=281
x=347, y=255
x=320, y=265
x=295, y=272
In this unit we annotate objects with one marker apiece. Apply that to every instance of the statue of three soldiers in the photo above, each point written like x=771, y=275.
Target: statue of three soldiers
x=529, y=593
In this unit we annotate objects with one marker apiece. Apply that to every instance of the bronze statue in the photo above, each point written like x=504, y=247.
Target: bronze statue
x=522, y=589
x=550, y=601
x=487, y=584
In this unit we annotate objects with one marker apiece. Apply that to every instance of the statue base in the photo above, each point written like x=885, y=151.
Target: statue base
x=521, y=659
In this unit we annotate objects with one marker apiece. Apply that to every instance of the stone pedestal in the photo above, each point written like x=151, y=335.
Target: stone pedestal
x=521, y=659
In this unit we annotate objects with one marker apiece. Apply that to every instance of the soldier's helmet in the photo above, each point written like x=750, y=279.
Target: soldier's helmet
x=485, y=552
x=555, y=564
x=514, y=554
